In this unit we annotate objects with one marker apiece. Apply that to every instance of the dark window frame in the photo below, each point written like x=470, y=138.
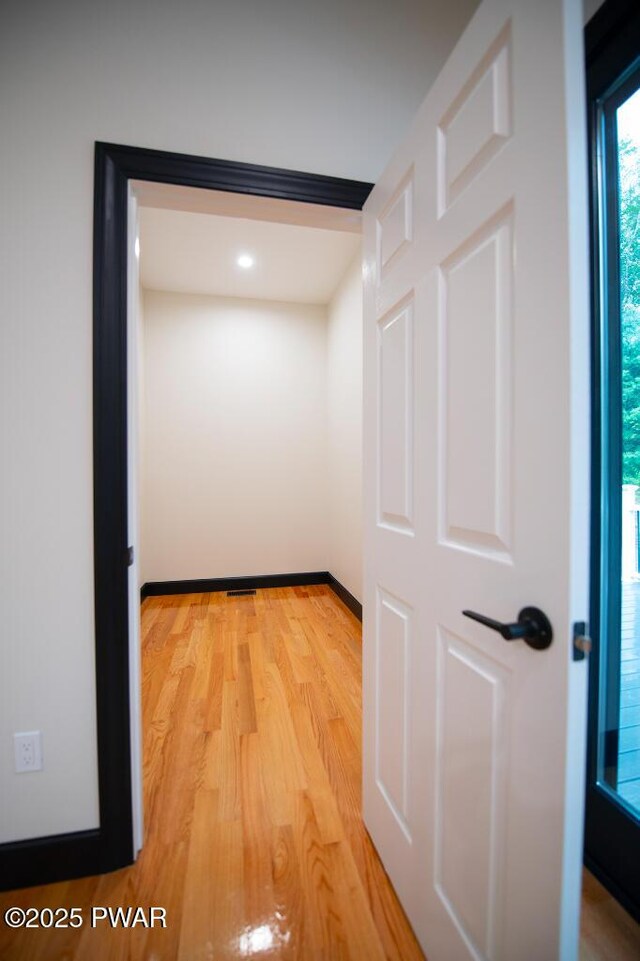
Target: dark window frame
x=612, y=42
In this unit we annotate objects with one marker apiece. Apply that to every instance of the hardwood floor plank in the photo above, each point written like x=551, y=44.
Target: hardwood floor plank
x=213, y=706
x=256, y=836
x=255, y=641
x=289, y=901
x=319, y=790
x=214, y=920
x=361, y=931
x=327, y=919
x=212, y=777
x=228, y=776
x=283, y=770
x=247, y=723
x=183, y=605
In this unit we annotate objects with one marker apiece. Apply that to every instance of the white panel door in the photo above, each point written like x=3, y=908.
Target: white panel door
x=476, y=459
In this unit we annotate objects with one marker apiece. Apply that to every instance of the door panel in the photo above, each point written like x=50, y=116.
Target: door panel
x=396, y=393
x=470, y=788
x=476, y=319
x=393, y=669
x=477, y=123
x=476, y=431
x=395, y=225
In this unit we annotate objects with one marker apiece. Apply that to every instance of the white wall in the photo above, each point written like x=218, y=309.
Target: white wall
x=344, y=430
x=326, y=87
x=235, y=455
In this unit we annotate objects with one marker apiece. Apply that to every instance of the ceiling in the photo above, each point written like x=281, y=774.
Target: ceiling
x=191, y=252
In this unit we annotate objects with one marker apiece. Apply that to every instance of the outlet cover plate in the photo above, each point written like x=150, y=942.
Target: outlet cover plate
x=27, y=747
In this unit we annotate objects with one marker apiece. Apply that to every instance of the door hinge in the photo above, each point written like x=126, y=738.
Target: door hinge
x=581, y=641
x=129, y=556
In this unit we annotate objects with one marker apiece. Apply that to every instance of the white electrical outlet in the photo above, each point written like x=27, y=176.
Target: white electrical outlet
x=27, y=747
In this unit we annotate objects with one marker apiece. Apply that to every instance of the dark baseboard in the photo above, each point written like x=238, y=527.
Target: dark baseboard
x=345, y=596
x=252, y=582
x=59, y=857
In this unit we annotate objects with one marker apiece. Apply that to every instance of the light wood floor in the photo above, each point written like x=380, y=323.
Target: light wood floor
x=253, y=837
x=607, y=932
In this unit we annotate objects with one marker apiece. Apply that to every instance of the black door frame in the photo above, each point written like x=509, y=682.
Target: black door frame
x=612, y=42
x=110, y=846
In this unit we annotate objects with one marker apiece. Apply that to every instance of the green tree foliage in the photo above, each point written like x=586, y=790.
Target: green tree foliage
x=629, y=186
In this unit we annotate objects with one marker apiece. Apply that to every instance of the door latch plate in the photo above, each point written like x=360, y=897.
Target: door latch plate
x=581, y=641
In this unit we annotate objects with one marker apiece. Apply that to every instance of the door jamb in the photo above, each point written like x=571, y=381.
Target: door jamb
x=114, y=167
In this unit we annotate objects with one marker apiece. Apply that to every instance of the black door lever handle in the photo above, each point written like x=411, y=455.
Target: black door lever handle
x=532, y=626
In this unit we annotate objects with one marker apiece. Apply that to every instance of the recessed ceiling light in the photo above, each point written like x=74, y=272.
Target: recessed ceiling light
x=245, y=261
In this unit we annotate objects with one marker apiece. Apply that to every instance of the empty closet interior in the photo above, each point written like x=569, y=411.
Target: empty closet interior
x=246, y=419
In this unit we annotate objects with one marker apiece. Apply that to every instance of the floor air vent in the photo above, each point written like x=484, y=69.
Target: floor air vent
x=238, y=593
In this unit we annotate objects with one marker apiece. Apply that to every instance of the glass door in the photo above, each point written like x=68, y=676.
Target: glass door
x=612, y=836
x=627, y=151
